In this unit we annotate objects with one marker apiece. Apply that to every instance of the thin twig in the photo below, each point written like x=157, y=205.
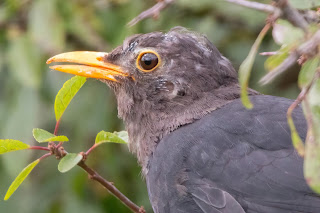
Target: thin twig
x=256, y=5
x=268, y=53
x=111, y=188
x=308, y=48
x=292, y=15
x=286, y=64
x=151, y=12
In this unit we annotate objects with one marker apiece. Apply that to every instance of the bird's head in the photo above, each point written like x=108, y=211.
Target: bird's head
x=161, y=81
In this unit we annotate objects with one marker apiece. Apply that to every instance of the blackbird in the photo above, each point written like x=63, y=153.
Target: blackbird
x=200, y=150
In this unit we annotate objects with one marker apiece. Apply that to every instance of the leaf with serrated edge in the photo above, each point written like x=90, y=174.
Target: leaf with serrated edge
x=246, y=66
x=307, y=71
x=9, y=145
x=20, y=178
x=104, y=137
x=69, y=161
x=42, y=135
x=66, y=94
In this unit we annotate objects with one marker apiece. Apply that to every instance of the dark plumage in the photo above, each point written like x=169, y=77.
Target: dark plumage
x=200, y=149
x=232, y=160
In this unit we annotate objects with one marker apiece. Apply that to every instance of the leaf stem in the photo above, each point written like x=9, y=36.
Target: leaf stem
x=56, y=132
x=45, y=156
x=56, y=127
x=111, y=188
x=39, y=148
x=90, y=150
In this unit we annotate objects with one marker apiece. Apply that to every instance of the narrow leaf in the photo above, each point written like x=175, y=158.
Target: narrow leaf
x=246, y=66
x=116, y=137
x=307, y=71
x=296, y=140
x=275, y=60
x=69, y=161
x=44, y=136
x=312, y=158
x=65, y=95
x=9, y=145
x=312, y=164
x=20, y=178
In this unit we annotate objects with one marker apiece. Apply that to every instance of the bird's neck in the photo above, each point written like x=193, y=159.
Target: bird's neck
x=147, y=125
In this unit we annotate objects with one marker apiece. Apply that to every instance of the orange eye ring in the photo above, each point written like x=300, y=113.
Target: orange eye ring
x=148, y=60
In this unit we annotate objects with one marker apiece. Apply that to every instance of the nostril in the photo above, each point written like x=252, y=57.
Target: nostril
x=181, y=93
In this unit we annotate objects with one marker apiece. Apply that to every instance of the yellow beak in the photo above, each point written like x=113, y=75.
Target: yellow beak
x=89, y=64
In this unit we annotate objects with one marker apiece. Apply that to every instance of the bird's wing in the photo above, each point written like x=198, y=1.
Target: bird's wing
x=233, y=158
x=249, y=154
x=174, y=192
x=213, y=200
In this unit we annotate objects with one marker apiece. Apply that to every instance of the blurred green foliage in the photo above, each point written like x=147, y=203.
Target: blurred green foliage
x=31, y=31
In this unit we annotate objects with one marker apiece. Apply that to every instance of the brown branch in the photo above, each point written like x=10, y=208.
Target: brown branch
x=151, y=12
x=257, y=6
x=291, y=14
x=111, y=188
x=308, y=48
x=59, y=152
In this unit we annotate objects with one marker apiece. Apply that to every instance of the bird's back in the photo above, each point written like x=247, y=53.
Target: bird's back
x=232, y=160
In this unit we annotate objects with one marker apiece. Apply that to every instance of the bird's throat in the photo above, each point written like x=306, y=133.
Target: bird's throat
x=147, y=126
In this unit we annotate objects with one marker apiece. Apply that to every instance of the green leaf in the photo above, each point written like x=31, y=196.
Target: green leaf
x=304, y=4
x=116, y=137
x=296, y=140
x=285, y=33
x=307, y=71
x=9, y=145
x=44, y=136
x=123, y=135
x=246, y=66
x=65, y=95
x=275, y=60
x=20, y=178
x=314, y=102
x=312, y=166
x=312, y=158
x=69, y=161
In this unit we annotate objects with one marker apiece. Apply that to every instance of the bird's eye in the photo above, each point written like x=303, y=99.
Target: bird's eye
x=148, y=61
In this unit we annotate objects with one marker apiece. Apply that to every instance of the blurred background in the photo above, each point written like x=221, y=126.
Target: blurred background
x=31, y=31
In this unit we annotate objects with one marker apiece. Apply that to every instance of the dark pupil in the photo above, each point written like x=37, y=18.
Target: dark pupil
x=148, y=61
